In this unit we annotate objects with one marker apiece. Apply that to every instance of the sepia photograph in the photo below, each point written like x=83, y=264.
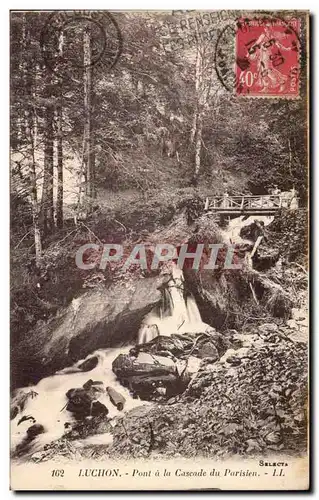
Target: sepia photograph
x=159, y=227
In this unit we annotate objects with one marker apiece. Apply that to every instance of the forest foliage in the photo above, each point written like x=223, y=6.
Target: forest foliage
x=158, y=123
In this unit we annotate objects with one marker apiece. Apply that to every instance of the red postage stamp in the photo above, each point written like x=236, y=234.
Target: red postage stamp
x=267, y=57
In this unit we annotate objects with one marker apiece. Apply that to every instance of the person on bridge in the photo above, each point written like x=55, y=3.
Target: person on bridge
x=293, y=199
x=276, y=190
x=226, y=200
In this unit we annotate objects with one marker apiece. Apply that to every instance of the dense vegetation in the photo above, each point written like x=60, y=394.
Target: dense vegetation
x=100, y=152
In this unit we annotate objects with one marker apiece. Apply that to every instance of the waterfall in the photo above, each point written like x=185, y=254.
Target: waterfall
x=177, y=313
x=48, y=406
x=232, y=233
x=193, y=311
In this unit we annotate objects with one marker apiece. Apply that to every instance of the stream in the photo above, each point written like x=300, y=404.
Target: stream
x=177, y=313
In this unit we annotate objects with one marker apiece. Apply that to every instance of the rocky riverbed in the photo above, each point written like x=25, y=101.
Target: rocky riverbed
x=138, y=370
x=206, y=395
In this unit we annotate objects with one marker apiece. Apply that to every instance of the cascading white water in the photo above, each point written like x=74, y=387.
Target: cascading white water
x=48, y=406
x=232, y=233
x=176, y=314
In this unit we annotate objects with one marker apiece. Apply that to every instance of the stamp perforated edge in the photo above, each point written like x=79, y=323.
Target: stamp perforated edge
x=303, y=16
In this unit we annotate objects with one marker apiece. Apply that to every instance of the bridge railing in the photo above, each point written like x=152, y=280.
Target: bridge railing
x=251, y=202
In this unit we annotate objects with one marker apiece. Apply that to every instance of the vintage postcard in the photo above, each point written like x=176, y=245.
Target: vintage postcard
x=159, y=250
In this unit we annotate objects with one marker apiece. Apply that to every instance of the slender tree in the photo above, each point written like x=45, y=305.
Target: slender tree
x=59, y=145
x=59, y=199
x=47, y=192
x=88, y=157
x=28, y=67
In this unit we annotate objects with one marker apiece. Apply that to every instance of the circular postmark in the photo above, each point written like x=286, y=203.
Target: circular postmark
x=74, y=40
x=224, y=57
x=259, y=55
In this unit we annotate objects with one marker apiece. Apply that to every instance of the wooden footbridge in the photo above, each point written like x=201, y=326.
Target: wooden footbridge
x=250, y=205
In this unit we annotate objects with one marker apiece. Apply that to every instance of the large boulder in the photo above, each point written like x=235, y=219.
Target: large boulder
x=126, y=366
x=79, y=402
x=89, y=364
x=174, y=345
x=35, y=430
x=149, y=376
x=214, y=293
x=83, y=401
x=209, y=343
x=98, y=409
x=252, y=231
x=99, y=318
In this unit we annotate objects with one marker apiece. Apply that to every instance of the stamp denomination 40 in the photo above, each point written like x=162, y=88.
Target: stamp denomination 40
x=267, y=57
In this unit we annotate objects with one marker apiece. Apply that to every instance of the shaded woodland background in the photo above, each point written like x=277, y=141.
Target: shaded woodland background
x=108, y=154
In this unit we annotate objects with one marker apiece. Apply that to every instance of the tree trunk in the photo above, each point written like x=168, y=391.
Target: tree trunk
x=197, y=92
x=198, y=145
x=59, y=199
x=28, y=129
x=289, y=158
x=88, y=158
x=47, y=193
x=59, y=127
x=196, y=132
x=35, y=213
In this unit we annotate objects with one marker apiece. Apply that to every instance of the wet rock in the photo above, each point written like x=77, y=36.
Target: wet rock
x=146, y=373
x=89, y=364
x=116, y=398
x=90, y=383
x=79, y=402
x=180, y=345
x=154, y=387
x=94, y=389
x=35, y=430
x=126, y=366
x=98, y=409
x=175, y=345
x=252, y=231
x=178, y=386
x=234, y=360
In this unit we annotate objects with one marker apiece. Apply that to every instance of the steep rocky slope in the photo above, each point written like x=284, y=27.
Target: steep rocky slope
x=236, y=384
